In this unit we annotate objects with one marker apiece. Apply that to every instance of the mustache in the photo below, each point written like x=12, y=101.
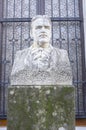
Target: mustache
x=43, y=34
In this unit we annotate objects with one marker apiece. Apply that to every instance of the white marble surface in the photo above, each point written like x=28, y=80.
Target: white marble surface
x=77, y=128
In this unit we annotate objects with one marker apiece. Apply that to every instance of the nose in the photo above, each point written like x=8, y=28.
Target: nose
x=43, y=28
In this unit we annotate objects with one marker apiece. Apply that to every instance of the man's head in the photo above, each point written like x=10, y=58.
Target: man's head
x=41, y=30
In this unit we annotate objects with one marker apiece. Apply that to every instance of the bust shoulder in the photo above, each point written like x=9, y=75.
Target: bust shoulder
x=60, y=51
x=22, y=52
x=61, y=54
x=19, y=60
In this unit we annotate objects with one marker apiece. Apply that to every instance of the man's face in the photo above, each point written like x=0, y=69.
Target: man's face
x=41, y=31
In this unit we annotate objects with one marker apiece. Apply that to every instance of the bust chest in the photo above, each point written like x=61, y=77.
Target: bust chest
x=41, y=59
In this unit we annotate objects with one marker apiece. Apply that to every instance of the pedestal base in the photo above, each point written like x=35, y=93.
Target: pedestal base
x=41, y=108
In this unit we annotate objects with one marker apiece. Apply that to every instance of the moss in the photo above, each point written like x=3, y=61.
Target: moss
x=44, y=108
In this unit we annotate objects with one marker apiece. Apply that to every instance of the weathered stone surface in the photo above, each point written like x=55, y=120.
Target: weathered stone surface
x=41, y=108
x=41, y=63
x=52, y=68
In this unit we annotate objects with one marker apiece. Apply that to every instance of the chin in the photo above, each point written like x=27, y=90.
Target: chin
x=41, y=43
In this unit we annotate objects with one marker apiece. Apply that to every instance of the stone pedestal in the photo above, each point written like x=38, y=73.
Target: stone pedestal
x=41, y=107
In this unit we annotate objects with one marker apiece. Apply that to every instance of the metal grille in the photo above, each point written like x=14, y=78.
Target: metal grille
x=67, y=28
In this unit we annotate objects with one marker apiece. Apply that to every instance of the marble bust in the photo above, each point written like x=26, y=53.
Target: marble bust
x=41, y=63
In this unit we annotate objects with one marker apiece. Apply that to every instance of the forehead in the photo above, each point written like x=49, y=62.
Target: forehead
x=41, y=22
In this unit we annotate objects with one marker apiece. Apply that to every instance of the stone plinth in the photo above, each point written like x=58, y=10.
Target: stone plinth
x=41, y=108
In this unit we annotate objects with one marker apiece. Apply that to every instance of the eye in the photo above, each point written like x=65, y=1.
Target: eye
x=38, y=27
x=47, y=27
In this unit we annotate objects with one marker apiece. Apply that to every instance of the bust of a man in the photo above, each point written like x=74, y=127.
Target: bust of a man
x=41, y=63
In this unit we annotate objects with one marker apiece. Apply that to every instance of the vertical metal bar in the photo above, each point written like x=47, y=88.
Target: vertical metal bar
x=37, y=7
x=4, y=84
x=67, y=27
x=76, y=63
x=29, y=25
x=1, y=15
x=29, y=9
x=60, y=25
x=40, y=7
x=83, y=53
x=21, y=27
x=52, y=17
x=13, y=42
